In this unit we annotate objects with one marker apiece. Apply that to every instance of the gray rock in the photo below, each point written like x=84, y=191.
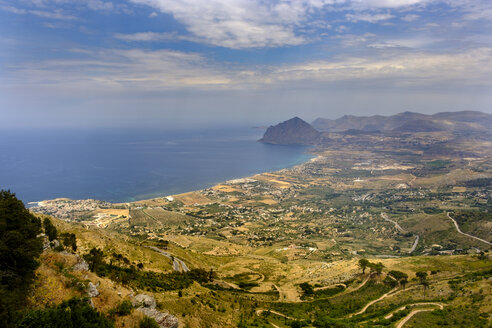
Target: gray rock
x=81, y=264
x=46, y=242
x=144, y=301
x=92, y=290
x=55, y=243
x=163, y=319
x=146, y=304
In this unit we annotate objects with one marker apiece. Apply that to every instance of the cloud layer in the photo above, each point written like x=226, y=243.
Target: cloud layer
x=62, y=59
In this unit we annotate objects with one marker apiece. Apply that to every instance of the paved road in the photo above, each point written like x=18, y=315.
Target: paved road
x=415, y=243
x=465, y=234
x=384, y=216
x=178, y=265
x=417, y=237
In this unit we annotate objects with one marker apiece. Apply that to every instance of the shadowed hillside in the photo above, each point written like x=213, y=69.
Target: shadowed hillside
x=291, y=132
x=408, y=122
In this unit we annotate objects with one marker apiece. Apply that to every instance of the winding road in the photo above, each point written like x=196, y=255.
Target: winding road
x=397, y=226
x=374, y=301
x=392, y=292
x=260, y=311
x=440, y=305
x=465, y=234
x=414, y=312
x=415, y=243
x=178, y=265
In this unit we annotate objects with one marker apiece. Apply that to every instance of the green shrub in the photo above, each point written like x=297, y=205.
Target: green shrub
x=147, y=322
x=123, y=308
x=74, y=313
x=307, y=289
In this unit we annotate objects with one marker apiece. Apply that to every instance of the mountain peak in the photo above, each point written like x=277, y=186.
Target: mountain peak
x=291, y=132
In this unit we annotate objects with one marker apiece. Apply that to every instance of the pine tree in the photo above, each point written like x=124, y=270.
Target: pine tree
x=19, y=249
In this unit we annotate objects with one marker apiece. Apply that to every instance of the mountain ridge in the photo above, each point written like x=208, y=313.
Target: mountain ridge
x=442, y=121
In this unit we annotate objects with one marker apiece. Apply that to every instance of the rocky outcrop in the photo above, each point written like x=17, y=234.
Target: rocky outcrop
x=46, y=242
x=147, y=305
x=81, y=264
x=92, y=290
x=292, y=132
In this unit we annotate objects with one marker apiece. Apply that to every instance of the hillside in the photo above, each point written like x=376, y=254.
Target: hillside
x=450, y=121
x=380, y=229
x=291, y=132
x=254, y=288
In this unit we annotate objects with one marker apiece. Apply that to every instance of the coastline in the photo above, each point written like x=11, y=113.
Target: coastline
x=226, y=182
x=310, y=157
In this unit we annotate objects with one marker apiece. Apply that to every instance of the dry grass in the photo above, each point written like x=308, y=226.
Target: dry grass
x=191, y=198
x=226, y=188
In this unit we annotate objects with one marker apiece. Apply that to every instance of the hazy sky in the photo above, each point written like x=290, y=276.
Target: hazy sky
x=203, y=62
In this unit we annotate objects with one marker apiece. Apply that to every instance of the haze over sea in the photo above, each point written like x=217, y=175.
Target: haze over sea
x=122, y=165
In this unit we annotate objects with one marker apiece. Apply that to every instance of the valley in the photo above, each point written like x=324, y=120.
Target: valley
x=285, y=247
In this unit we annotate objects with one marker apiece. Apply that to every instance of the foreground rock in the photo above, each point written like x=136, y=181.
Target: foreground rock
x=147, y=305
x=81, y=264
x=92, y=290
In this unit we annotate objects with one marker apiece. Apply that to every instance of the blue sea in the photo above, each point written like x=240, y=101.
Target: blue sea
x=121, y=165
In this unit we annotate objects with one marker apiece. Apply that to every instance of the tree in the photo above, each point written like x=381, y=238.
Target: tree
x=363, y=264
x=75, y=312
x=69, y=240
x=401, y=277
x=307, y=288
x=19, y=249
x=398, y=275
x=403, y=283
x=94, y=258
x=376, y=268
x=422, y=276
x=50, y=229
x=425, y=284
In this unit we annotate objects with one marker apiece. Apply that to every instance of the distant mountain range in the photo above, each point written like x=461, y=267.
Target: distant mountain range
x=297, y=131
x=408, y=122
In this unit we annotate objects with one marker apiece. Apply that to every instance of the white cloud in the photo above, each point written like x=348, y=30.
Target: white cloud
x=121, y=70
x=472, y=67
x=55, y=14
x=387, y=3
x=100, y=5
x=257, y=23
x=240, y=23
x=410, y=17
x=160, y=70
x=146, y=36
x=371, y=18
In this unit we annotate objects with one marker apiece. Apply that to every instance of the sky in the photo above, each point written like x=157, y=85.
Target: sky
x=190, y=63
